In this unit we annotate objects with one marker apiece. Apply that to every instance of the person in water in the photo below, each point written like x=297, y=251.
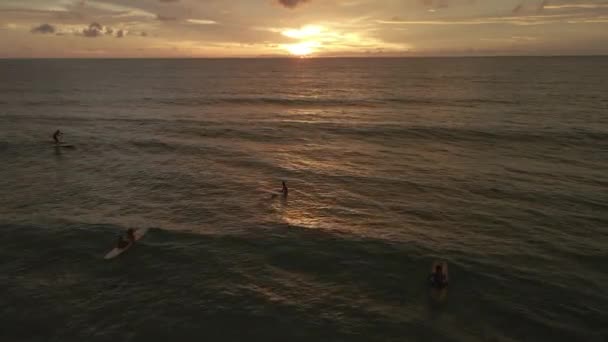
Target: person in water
x=131, y=234
x=57, y=136
x=123, y=242
x=438, y=278
x=285, y=190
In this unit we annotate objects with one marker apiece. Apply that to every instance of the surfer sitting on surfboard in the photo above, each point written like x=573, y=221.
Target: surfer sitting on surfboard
x=57, y=136
x=438, y=278
x=123, y=242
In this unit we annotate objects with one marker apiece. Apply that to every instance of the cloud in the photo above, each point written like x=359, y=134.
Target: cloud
x=441, y=4
x=94, y=30
x=518, y=9
x=201, y=21
x=144, y=34
x=165, y=18
x=43, y=29
x=435, y=3
x=292, y=3
x=574, y=6
x=523, y=7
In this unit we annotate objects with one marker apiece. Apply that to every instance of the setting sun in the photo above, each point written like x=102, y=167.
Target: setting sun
x=301, y=49
x=307, y=46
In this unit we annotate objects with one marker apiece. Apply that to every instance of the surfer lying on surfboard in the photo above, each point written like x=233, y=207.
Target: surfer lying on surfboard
x=123, y=241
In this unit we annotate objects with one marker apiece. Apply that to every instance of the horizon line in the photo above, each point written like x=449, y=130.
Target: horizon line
x=316, y=57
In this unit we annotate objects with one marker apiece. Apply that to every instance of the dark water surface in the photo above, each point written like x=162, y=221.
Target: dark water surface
x=498, y=165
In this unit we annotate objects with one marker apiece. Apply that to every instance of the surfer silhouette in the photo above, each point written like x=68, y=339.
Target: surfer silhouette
x=285, y=190
x=123, y=241
x=438, y=278
x=57, y=136
x=131, y=234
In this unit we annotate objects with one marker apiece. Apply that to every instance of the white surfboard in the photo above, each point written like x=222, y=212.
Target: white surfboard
x=118, y=251
x=275, y=194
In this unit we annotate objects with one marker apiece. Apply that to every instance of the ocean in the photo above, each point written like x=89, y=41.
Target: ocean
x=497, y=165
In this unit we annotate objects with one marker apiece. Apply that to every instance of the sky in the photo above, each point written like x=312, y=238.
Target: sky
x=300, y=28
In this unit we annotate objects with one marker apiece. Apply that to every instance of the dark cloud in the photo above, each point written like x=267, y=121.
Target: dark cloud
x=522, y=7
x=94, y=30
x=96, y=26
x=437, y=4
x=97, y=30
x=518, y=9
x=292, y=3
x=44, y=28
x=165, y=18
x=542, y=5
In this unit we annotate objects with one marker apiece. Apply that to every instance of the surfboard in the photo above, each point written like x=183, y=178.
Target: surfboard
x=64, y=145
x=118, y=251
x=274, y=194
x=440, y=294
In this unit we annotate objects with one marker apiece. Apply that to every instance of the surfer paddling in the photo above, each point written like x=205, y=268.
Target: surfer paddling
x=123, y=241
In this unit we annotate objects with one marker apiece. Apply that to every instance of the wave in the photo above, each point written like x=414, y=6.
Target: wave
x=323, y=101
x=263, y=100
x=334, y=285
x=280, y=101
x=52, y=102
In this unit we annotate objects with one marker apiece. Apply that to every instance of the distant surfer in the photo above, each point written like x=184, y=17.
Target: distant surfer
x=57, y=136
x=285, y=190
x=438, y=279
x=131, y=234
x=123, y=241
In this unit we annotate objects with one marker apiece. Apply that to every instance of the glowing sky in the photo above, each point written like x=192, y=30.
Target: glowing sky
x=250, y=28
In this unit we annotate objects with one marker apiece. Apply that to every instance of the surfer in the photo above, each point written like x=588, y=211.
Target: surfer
x=123, y=241
x=285, y=190
x=131, y=234
x=57, y=136
x=438, y=278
